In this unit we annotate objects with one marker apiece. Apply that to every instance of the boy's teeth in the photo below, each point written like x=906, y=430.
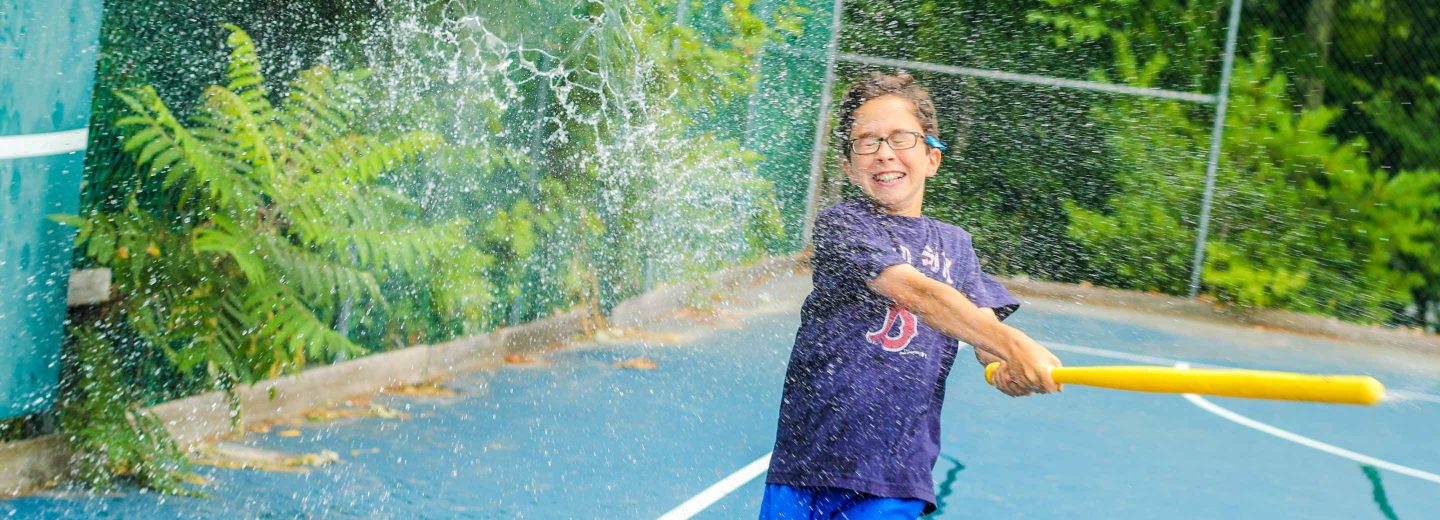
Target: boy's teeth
x=887, y=177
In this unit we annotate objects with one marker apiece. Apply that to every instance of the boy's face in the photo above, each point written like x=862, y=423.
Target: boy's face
x=895, y=179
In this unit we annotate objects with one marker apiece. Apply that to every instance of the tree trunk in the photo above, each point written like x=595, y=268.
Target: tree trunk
x=1319, y=27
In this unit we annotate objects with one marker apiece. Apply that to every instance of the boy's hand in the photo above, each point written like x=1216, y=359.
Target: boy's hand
x=1028, y=370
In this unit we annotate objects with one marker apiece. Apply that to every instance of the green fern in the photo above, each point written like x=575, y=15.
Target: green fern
x=280, y=217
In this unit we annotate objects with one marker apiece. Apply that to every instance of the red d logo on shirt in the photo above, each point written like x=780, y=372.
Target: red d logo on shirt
x=898, y=342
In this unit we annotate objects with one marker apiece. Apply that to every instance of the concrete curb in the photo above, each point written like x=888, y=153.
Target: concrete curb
x=32, y=464
x=670, y=298
x=1287, y=321
x=36, y=463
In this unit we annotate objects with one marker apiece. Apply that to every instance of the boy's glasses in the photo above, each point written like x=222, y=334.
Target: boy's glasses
x=898, y=141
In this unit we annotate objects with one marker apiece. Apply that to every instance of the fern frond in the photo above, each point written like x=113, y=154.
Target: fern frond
x=199, y=160
x=360, y=160
x=243, y=74
x=319, y=279
x=406, y=249
x=247, y=140
x=228, y=239
x=319, y=106
x=293, y=330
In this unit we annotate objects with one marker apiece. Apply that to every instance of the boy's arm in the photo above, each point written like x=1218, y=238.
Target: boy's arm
x=1026, y=364
x=984, y=357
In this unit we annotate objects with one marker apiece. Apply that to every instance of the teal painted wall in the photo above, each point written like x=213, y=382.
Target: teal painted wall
x=47, y=55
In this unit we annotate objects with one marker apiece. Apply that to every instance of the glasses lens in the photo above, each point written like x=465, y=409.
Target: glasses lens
x=866, y=145
x=903, y=140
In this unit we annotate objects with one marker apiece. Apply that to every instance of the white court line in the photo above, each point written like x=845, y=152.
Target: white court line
x=714, y=493
x=1306, y=441
x=1312, y=443
x=40, y=145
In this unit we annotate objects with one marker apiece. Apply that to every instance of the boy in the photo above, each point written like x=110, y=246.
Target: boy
x=860, y=418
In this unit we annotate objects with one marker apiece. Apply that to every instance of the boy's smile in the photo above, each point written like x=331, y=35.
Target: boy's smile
x=894, y=179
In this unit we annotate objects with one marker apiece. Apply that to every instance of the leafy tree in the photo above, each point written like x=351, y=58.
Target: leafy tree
x=1301, y=219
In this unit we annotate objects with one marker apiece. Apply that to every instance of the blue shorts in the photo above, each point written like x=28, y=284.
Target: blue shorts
x=784, y=502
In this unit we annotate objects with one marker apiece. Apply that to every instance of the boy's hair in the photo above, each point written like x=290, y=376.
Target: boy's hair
x=874, y=85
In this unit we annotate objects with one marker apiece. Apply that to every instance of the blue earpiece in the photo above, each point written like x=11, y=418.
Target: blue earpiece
x=934, y=142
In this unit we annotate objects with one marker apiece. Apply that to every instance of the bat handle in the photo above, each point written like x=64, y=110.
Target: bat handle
x=990, y=372
x=992, y=367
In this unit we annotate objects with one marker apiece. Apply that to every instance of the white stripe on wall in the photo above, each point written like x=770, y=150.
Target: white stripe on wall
x=41, y=145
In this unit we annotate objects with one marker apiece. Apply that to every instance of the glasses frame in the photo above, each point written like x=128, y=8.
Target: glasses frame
x=887, y=141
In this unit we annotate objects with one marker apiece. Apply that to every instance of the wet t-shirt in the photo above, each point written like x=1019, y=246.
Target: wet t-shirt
x=861, y=406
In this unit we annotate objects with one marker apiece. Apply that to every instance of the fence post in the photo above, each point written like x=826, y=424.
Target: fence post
x=822, y=120
x=1203, y=227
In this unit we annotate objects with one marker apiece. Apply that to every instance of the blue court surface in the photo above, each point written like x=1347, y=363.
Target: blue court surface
x=573, y=436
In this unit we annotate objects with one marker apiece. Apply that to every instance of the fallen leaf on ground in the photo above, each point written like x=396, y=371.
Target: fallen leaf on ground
x=330, y=414
x=289, y=433
x=372, y=410
x=420, y=390
x=712, y=317
x=371, y=451
x=634, y=333
x=639, y=363
x=239, y=456
x=385, y=412
x=518, y=359
x=321, y=458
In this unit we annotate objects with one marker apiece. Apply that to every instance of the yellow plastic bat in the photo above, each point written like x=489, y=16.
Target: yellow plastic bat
x=1251, y=384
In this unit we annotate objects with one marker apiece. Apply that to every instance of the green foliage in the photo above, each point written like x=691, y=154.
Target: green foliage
x=1411, y=117
x=278, y=209
x=636, y=153
x=1152, y=43
x=112, y=438
x=261, y=230
x=1301, y=220
x=588, y=139
x=765, y=229
x=266, y=221
x=705, y=74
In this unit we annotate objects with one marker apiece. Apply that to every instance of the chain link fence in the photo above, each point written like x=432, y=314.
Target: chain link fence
x=1086, y=131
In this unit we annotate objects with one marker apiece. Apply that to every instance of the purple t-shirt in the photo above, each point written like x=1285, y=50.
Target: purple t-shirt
x=861, y=408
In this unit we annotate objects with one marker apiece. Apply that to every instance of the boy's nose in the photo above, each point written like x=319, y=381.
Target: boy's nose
x=885, y=151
